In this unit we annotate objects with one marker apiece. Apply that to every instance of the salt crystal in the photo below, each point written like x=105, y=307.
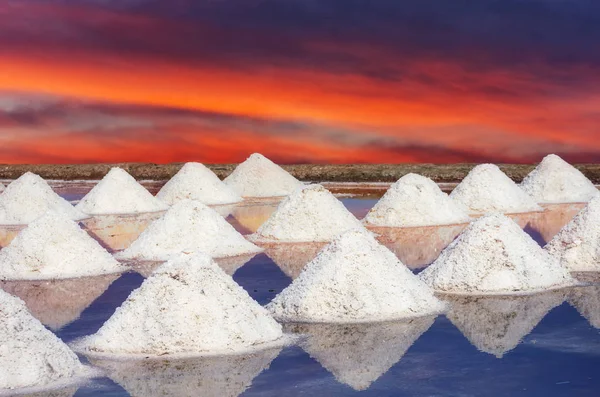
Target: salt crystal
x=119, y=193
x=487, y=189
x=354, y=279
x=260, y=177
x=28, y=198
x=55, y=247
x=188, y=226
x=310, y=214
x=415, y=200
x=556, y=181
x=494, y=256
x=196, y=182
x=496, y=325
x=30, y=355
x=358, y=354
x=577, y=245
x=187, y=306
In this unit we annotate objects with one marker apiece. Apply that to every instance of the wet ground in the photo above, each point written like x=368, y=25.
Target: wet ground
x=541, y=345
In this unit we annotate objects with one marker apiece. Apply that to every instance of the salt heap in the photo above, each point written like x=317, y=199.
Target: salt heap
x=415, y=200
x=55, y=247
x=2, y=187
x=28, y=198
x=577, y=245
x=119, y=193
x=487, y=189
x=496, y=325
x=30, y=355
x=188, y=226
x=556, y=181
x=188, y=306
x=587, y=302
x=358, y=354
x=310, y=214
x=260, y=177
x=354, y=279
x=196, y=182
x=494, y=256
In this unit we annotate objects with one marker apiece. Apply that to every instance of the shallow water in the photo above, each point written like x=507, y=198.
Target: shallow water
x=529, y=346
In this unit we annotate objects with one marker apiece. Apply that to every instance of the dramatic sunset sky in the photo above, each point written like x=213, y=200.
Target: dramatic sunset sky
x=330, y=81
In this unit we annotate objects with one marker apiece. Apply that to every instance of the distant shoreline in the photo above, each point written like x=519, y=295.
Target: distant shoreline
x=441, y=173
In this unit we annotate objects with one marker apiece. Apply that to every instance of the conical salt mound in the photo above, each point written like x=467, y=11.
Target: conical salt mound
x=577, y=245
x=30, y=355
x=415, y=200
x=187, y=306
x=587, y=302
x=219, y=376
x=310, y=214
x=119, y=193
x=494, y=256
x=29, y=197
x=188, y=226
x=487, y=189
x=196, y=182
x=260, y=177
x=358, y=354
x=354, y=279
x=54, y=247
x=556, y=181
x=496, y=325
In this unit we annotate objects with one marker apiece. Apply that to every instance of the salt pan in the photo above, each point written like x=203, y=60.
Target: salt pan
x=188, y=226
x=196, y=182
x=55, y=247
x=28, y=198
x=187, y=306
x=415, y=200
x=577, y=245
x=30, y=355
x=487, y=189
x=556, y=181
x=310, y=214
x=354, y=279
x=494, y=256
x=260, y=177
x=119, y=193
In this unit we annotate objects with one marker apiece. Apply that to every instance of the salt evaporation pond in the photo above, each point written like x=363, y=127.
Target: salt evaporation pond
x=558, y=357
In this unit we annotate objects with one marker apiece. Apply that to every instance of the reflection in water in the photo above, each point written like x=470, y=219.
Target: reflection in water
x=117, y=232
x=224, y=210
x=496, y=325
x=587, y=302
x=57, y=303
x=292, y=257
x=251, y=216
x=358, y=354
x=417, y=247
x=219, y=376
x=548, y=223
x=68, y=392
x=229, y=264
x=8, y=233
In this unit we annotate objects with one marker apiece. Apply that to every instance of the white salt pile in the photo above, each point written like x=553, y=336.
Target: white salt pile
x=187, y=306
x=28, y=198
x=188, y=226
x=310, y=214
x=494, y=256
x=577, y=245
x=556, y=181
x=54, y=247
x=358, y=354
x=496, y=325
x=587, y=302
x=415, y=200
x=30, y=355
x=2, y=187
x=119, y=193
x=354, y=279
x=196, y=182
x=213, y=376
x=487, y=189
x=260, y=177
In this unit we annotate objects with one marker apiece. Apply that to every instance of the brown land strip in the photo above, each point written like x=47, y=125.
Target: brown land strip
x=440, y=173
